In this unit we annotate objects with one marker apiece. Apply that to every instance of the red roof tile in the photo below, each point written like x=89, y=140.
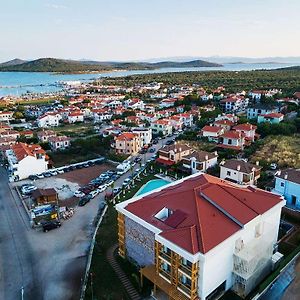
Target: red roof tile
x=213, y=210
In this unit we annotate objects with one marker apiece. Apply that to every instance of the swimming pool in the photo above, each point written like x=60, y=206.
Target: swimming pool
x=152, y=185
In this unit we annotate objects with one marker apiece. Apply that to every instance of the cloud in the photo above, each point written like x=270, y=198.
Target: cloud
x=55, y=6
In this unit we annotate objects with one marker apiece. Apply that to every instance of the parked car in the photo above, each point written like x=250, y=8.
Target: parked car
x=83, y=201
x=155, y=141
x=120, y=173
x=94, y=193
x=61, y=171
x=116, y=190
x=53, y=173
x=152, y=150
x=79, y=193
x=126, y=181
x=109, y=183
x=138, y=159
x=101, y=206
x=273, y=166
x=50, y=225
x=40, y=176
x=33, y=177
x=102, y=188
x=47, y=174
x=27, y=189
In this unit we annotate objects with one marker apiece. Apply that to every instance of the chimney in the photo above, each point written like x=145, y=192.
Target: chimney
x=180, y=149
x=238, y=167
x=279, y=173
x=257, y=163
x=206, y=157
x=222, y=162
x=285, y=176
x=216, y=153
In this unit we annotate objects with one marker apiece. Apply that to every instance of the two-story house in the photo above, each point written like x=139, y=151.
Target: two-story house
x=145, y=135
x=232, y=140
x=212, y=132
x=172, y=154
x=162, y=127
x=199, y=161
x=25, y=160
x=59, y=142
x=200, y=236
x=240, y=171
x=273, y=118
x=287, y=184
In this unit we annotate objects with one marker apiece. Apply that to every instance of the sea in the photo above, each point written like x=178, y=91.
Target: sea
x=21, y=83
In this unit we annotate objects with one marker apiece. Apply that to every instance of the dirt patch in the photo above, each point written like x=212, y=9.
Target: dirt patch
x=85, y=175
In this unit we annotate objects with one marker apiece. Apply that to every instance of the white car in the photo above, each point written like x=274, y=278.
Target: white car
x=27, y=189
x=94, y=193
x=121, y=172
x=110, y=183
x=273, y=166
x=79, y=194
x=60, y=171
x=40, y=176
x=54, y=173
x=102, y=188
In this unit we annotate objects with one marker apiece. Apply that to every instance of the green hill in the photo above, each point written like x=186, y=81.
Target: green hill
x=73, y=66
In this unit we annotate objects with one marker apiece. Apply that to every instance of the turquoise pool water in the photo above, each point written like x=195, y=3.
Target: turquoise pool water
x=151, y=185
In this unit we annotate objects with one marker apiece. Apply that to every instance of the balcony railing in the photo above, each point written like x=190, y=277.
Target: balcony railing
x=186, y=270
x=185, y=288
x=165, y=274
x=165, y=256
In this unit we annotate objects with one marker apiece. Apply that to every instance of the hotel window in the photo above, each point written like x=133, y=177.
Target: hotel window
x=281, y=183
x=228, y=173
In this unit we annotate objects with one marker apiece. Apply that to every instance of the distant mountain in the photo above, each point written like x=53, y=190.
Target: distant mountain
x=13, y=62
x=74, y=66
x=231, y=59
x=294, y=68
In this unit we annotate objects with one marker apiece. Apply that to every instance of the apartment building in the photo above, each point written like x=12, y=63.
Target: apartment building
x=172, y=154
x=162, y=126
x=127, y=143
x=49, y=120
x=200, y=236
x=145, y=135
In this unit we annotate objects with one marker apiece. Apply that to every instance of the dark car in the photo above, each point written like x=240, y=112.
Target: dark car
x=47, y=174
x=50, y=225
x=152, y=150
x=33, y=177
x=91, y=163
x=84, y=200
x=169, y=142
x=138, y=159
x=155, y=141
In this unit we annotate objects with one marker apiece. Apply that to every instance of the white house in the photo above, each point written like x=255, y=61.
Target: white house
x=162, y=126
x=212, y=132
x=287, y=184
x=232, y=140
x=145, y=135
x=25, y=160
x=199, y=161
x=240, y=171
x=200, y=236
x=234, y=104
x=6, y=116
x=167, y=103
x=247, y=129
x=75, y=116
x=49, y=120
x=100, y=115
x=261, y=109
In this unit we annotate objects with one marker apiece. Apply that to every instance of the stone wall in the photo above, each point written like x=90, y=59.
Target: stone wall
x=139, y=243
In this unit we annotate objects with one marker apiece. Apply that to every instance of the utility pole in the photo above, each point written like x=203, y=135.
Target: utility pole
x=22, y=293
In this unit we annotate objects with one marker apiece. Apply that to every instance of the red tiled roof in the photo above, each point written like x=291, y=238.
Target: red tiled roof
x=126, y=136
x=245, y=127
x=211, y=129
x=214, y=210
x=231, y=134
x=165, y=161
x=224, y=122
x=273, y=115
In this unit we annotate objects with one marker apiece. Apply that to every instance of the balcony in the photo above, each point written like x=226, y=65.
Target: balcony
x=165, y=256
x=185, y=269
x=184, y=288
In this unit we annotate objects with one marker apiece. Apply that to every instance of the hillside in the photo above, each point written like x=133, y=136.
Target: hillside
x=73, y=66
x=13, y=62
x=294, y=68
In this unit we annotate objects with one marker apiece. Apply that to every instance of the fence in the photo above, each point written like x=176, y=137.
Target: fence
x=90, y=255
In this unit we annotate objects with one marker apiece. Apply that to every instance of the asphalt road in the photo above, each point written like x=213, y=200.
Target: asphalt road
x=49, y=266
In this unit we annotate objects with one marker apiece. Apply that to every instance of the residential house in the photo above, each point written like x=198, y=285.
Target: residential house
x=127, y=143
x=44, y=135
x=231, y=117
x=199, y=161
x=261, y=109
x=50, y=119
x=287, y=184
x=273, y=118
x=75, y=116
x=25, y=160
x=145, y=135
x=6, y=116
x=167, y=103
x=232, y=140
x=225, y=124
x=162, y=127
x=234, y=104
x=240, y=171
x=100, y=115
x=248, y=130
x=172, y=154
x=200, y=236
x=59, y=142
x=212, y=132
x=187, y=119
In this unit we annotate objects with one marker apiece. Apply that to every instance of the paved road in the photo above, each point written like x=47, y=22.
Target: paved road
x=50, y=266
x=17, y=258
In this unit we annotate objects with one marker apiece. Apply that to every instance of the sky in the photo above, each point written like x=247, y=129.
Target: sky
x=143, y=29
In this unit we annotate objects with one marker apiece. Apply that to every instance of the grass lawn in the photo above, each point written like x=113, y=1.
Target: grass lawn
x=75, y=130
x=106, y=284
x=283, y=150
x=200, y=145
